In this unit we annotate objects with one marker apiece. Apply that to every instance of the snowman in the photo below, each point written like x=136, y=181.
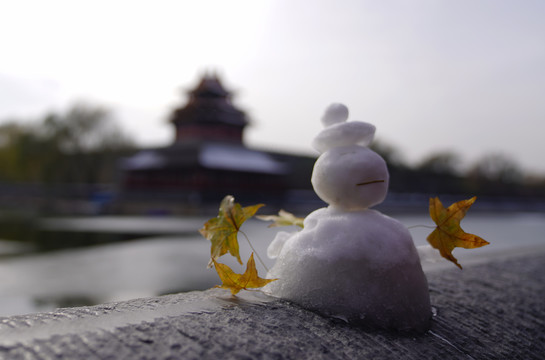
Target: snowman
x=350, y=261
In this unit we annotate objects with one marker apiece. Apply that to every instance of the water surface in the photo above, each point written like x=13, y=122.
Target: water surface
x=176, y=260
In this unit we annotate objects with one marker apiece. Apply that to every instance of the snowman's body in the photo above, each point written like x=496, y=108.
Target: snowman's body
x=358, y=265
x=350, y=261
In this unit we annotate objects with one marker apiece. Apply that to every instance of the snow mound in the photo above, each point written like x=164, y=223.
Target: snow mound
x=360, y=266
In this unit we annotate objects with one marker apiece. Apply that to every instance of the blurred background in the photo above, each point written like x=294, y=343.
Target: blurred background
x=123, y=125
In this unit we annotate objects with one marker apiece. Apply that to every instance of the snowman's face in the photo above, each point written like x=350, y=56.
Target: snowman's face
x=350, y=177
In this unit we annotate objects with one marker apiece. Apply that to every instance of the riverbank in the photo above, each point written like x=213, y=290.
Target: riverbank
x=486, y=311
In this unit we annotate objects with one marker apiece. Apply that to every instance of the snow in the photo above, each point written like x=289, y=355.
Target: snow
x=335, y=113
x=221, y=156
x=338, y=172
x=359, y=265
x=277, y=244
x=343, y=134
x=349, y=261
x=338, y=132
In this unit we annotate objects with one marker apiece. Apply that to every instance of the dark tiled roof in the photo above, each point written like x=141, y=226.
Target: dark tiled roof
x=209, y=102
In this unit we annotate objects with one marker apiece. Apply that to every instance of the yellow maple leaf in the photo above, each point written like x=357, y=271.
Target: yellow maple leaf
x=222, y=230
x=448, y=234
x=236, y=282
x=283, y=218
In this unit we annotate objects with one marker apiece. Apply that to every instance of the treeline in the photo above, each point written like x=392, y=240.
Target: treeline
x=83, y=146
x=79, y=146
x=493, y=175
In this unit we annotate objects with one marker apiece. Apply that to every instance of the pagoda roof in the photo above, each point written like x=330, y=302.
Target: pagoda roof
x=210, y=86
x=209, y=103
x=209, y=155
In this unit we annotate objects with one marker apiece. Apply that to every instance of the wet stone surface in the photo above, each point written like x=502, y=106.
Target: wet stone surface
x=492, y=311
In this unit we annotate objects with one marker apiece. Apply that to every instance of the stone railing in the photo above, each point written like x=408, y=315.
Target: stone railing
x=490, y=311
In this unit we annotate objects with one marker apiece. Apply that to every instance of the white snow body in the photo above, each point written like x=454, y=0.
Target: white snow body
x=357, y=265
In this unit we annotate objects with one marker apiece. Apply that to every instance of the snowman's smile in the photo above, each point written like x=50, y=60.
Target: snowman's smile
x=369, y=182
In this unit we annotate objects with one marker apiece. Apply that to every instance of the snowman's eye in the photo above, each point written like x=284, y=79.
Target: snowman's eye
x=369, y=182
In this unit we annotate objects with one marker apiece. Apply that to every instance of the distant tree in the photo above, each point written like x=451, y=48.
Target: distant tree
x=21, y=152
x=81, y=145
x=85, y=128
x=496, y=167
x=496, y=175
x=445, y=162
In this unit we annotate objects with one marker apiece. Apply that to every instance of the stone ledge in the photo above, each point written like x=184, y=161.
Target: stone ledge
x=491, y=311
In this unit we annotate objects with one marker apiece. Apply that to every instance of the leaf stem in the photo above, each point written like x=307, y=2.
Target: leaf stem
x=255, y=252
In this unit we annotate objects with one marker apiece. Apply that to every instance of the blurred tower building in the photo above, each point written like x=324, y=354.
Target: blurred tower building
x=209, y=160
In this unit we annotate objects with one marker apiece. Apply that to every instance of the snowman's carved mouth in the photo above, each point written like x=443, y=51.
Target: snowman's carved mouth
x=370, y=182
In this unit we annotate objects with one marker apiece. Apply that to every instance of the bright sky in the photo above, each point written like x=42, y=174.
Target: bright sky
x=464, y=75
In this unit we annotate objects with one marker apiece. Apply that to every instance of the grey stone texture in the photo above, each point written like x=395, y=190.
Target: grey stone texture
x=490, y=311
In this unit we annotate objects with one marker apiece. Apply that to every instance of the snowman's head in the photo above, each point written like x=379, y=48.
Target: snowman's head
x=348, y=175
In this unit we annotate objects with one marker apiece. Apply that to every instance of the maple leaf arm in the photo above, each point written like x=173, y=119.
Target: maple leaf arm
x=222, y=230
x=236, y=282
x=441, y=242
x=283, y=218
x=448, y=234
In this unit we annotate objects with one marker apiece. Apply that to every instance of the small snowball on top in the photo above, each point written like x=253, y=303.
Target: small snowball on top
x=339, y=132
x=334, y=114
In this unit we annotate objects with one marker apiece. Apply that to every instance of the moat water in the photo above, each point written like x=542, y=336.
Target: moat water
x=175, y=258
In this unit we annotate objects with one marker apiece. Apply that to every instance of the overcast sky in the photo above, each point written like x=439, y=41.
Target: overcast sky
x=464, y=75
